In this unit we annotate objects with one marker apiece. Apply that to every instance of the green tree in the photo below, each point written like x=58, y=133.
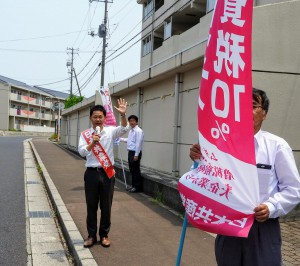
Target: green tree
x=72, y=100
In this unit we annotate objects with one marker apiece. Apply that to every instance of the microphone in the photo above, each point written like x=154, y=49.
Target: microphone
x=97, y=132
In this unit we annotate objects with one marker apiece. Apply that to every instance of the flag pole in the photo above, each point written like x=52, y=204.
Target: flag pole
x=182, y=237
x=183, y=231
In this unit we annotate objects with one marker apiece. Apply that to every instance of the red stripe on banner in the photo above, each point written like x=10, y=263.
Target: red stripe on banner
x=225, y=115
x=225, y=125
x=211, y=216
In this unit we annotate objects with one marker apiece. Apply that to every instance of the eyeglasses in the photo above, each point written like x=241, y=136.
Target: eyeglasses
x=255, y=107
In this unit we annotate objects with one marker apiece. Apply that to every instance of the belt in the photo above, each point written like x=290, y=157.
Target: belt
x=98, y=169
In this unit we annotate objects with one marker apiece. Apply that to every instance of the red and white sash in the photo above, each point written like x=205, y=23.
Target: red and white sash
x=100, y=154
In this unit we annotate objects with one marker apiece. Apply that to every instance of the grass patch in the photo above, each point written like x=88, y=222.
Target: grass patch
x=53, y=137
x=159, y=198
x=39, y=168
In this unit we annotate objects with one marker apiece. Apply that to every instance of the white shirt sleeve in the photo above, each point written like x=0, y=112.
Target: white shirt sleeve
x=82, y=147
x=288, y=195
x=119, y=131
x=139, y=142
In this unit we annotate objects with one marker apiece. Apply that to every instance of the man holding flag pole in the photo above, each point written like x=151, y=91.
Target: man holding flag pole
x=241, y=184
x=279, y=191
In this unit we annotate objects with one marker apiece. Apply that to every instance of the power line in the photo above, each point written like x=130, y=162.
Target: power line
x=122, y=46
x=59, y=81
x=41, y=37
x=141, y=31
x=86, y=16
x=122, y=52
x=40, y=51
x=121, y=9
x=89, y=60
x=89, y=78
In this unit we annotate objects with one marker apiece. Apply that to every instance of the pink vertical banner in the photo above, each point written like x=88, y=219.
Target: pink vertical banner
x=106, y=100
x=220, y=194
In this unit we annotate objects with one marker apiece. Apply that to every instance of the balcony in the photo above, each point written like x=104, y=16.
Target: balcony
x=29, y=114
x=45, y=116
x=179, y=43
x=45, y=104
x=29, y=100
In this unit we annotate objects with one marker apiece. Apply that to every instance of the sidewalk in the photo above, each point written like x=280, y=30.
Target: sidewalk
x=44, y=242
x=142, y=232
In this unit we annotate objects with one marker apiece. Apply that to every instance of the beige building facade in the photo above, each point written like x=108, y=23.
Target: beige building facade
x=28, y=108
x=164, y=94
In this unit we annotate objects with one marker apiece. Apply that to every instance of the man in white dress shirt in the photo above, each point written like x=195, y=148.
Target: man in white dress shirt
x=134, y=146
x=96, y=144
x=279, y=191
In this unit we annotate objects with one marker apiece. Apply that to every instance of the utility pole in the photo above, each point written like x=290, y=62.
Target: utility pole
x=70, y=64
x=102, y=34
x=104, y=46
x=77, y=82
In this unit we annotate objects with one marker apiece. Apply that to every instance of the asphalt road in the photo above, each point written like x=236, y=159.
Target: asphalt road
x=12, y=202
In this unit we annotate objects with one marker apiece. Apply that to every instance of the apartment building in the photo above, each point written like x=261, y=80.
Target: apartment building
x=27, y=108
x=164, y=94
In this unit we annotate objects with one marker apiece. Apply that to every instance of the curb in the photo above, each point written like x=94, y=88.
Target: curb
x=82, y=256
x=28, y=238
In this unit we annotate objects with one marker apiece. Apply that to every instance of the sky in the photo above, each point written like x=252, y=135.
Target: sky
x=35, y=36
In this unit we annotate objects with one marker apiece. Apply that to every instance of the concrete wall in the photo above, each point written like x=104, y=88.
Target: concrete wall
x=27, y=128
x=276, y=64
x=4, y=106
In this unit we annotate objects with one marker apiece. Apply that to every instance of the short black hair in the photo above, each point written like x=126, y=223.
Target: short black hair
x=98, y=108
x=260, y=94
x=133, y=117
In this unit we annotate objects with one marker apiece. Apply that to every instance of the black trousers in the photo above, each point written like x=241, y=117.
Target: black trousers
x=261, y=248
x=99, y=190
x=134, y=168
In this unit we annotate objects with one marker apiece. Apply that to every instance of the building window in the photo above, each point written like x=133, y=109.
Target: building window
x=168, y=28
x=159, y=4
x=147, y=45
x=157, y=42
x=148, y=9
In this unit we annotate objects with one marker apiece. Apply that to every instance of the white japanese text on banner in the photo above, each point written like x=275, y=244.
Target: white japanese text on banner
x=220, y=194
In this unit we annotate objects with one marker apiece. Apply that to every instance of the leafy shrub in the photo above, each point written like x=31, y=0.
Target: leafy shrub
x=72, y=100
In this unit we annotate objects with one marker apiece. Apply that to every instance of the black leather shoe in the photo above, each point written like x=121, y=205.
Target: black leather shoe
x=89, y=242
x=105, y=242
